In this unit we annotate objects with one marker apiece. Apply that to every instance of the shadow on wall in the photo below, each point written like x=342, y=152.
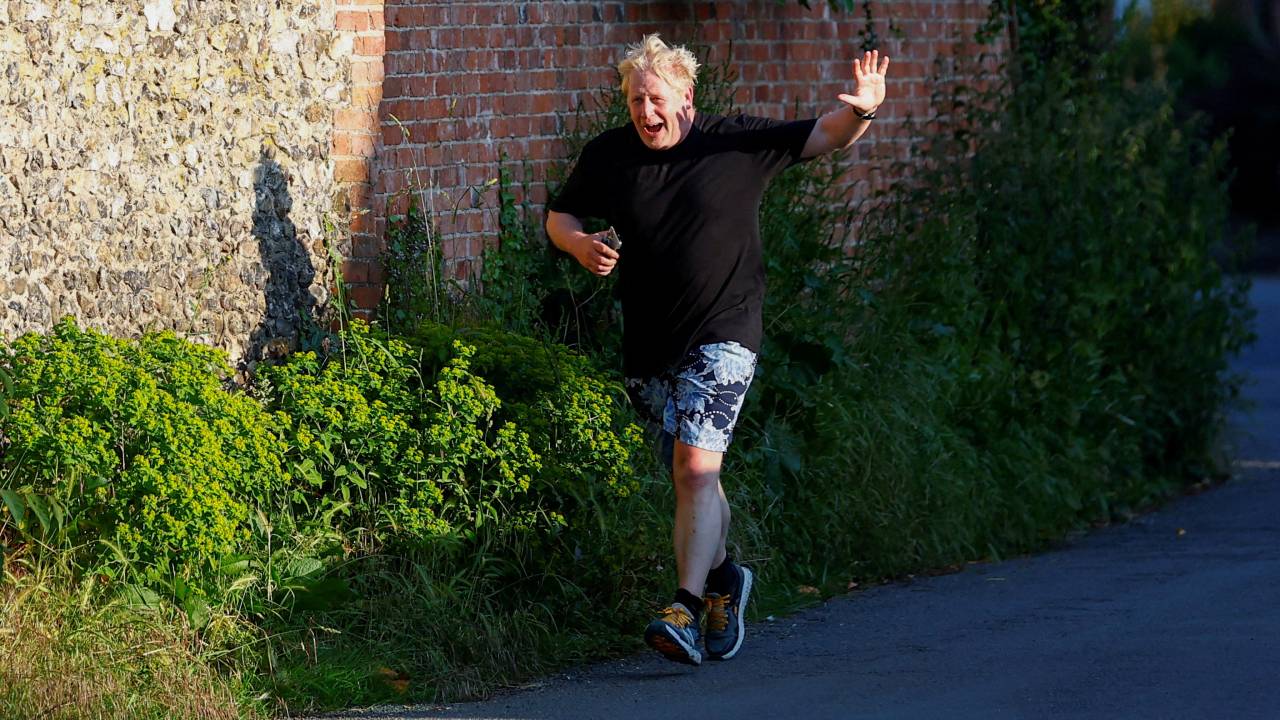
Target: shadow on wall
x=285, y=273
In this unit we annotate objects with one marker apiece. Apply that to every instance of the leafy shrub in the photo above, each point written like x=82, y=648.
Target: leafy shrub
x=135, y=443
x=521, y=564
x=416, y=460
x=1037, y=336
x=567, y=404
x=597, y=474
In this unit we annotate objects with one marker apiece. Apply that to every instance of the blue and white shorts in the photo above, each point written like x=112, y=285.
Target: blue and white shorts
x=698, y=401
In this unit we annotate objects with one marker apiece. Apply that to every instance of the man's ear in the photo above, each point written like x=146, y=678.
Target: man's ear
x=688, y=97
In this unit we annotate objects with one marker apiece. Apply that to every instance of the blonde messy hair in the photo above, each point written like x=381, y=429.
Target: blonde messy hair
x=675, y=65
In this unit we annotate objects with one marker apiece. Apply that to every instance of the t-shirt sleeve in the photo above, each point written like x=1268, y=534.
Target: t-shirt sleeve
x=583, y=194
x=778, y=144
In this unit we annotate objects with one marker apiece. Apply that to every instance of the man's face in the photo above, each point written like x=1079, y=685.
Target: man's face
x=661, y=113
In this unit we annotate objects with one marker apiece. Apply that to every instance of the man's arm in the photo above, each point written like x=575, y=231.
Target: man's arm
x=565, y=231
x=839, y=129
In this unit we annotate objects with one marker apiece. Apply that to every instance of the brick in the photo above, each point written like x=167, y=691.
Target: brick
x=341, y=144
x=366, y=97
x=361, y=145
x=392, y=135
x=364, y=297
x=350, y=170
x=365, y=71
x=396, y=40
x=355, y=271
x=359, y=195
x=353, y=119
x=367, y=246
x=421, y=87
x=395, y=87
x=370, y=45
x=435, y=14
x=348, y=20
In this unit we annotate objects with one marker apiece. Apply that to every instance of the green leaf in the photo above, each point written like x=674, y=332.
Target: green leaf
x=37, y=505
x=302, y=567
x=17, y=508
x=140, y=597
x=5, y=393
x=235, y=565
x=197, y=612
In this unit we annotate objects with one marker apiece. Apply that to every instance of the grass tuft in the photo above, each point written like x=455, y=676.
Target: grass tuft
x=68, y=649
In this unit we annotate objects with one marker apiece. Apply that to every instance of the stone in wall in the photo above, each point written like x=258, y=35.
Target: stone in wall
x=165, y=164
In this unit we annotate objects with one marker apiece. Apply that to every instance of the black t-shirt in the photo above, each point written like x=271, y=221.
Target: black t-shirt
x=691, y=271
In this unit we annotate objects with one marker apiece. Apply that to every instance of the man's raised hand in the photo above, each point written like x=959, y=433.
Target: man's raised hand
x=868, y=77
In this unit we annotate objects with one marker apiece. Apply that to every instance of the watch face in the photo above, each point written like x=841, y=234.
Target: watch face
x=611, y=239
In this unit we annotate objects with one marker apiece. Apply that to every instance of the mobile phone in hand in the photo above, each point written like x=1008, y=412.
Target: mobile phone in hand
x=611, y=239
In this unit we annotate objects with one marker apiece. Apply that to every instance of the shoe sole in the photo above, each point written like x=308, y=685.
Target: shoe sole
x=671, y=647
x=742, y=610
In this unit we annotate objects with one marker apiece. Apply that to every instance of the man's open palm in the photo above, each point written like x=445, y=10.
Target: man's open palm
x=868, y=77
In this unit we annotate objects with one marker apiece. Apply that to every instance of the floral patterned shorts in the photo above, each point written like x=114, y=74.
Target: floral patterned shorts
x=699, y=400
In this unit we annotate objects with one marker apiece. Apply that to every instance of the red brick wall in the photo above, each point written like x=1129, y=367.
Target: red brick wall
x=467, y=79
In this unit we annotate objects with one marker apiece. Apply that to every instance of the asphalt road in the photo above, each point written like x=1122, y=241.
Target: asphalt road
x=1175, y=614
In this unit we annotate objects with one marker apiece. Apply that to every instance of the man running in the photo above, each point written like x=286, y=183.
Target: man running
x=682, y=189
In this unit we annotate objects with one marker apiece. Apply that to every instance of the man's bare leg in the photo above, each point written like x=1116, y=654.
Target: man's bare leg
x=702, y=515
x=725, y=517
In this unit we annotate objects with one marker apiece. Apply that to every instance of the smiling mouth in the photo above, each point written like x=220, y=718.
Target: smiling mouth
x=654, y=129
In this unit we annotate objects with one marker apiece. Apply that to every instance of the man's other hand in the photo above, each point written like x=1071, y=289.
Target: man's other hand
x=868, y=77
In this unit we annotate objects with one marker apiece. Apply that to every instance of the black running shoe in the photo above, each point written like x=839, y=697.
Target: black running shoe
x=724, y=618
x=675, y=635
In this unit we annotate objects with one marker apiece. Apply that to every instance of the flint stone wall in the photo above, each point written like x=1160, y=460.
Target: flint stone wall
x=166, y=165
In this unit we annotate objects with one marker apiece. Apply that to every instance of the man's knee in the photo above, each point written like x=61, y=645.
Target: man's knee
x=696, y=470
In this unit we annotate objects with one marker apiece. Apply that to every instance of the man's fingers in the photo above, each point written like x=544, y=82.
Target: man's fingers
x=604, y=250
x=603, y=258
x=870, y=62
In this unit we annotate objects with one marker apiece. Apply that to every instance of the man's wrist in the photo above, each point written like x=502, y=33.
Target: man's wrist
x=864, y=114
